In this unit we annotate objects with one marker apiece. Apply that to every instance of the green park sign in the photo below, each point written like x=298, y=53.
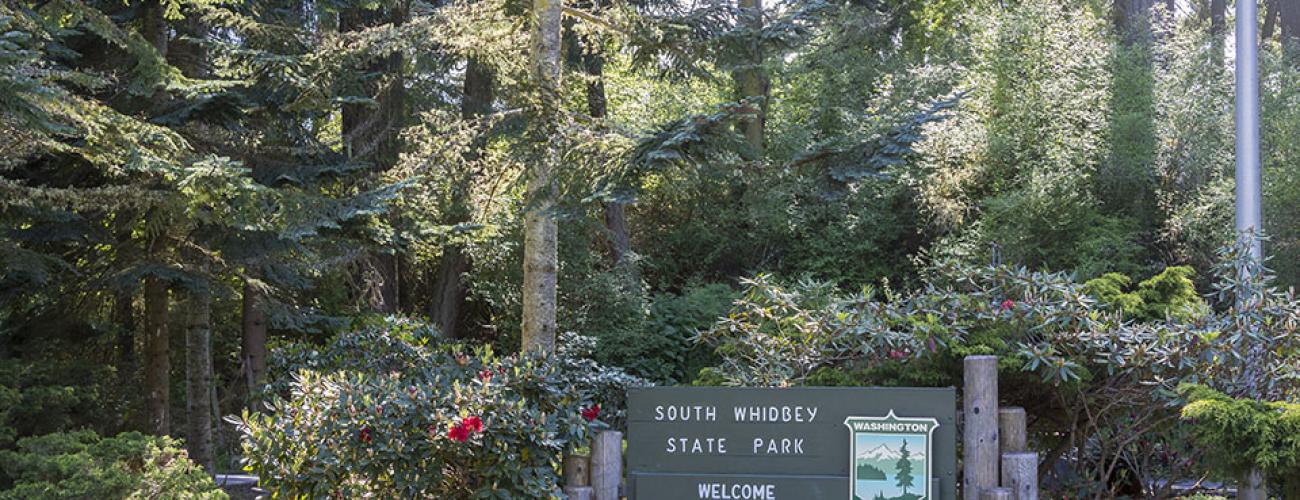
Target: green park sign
x=804, y=443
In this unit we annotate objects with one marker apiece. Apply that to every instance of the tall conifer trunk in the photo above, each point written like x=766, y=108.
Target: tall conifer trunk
x=157, y=342
x=192, y=59
x=1218, y=29
x=1270, y=19
x=541, y=252
x=1289, y=17
x=1133, y=19
x=597, y=106
x=252, y=345
x=124, y=318
x=448, y=286
x=198, y=378
x=620, y=243
x=371, y=134
x=157, y=349
x=751, y=78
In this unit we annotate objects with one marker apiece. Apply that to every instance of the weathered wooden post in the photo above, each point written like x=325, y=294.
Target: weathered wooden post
x=606, y=464
x=995, y=494
x=1253, y=486
x=1020, y=474
x=577, y=478
x=980, y=413
x=583, y=493
x=1012, y=433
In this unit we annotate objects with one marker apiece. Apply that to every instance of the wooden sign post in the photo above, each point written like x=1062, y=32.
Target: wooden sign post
x=980, y=434
x=797, y=443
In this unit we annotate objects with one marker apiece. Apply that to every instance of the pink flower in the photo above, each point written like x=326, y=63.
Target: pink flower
x=897, y=354
x=1007, y=304
x=364, y=435
x=458, y=433
x=591, y=413
x=485, y=375
x=473, y=423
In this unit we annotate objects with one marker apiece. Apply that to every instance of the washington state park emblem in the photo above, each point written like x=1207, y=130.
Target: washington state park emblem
x=889, y=457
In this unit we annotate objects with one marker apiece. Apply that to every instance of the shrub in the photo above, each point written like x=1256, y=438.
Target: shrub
x=390, y=344
x=1168, y=295
x=417, y=418
x=55, y=395
x=1243, y=434
x=1111, y=289
x=663, y=349
x=654, y=355
x=81, y=464
x=1107, y=381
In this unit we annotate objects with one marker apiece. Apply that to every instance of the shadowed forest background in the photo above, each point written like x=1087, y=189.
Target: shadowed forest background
x=188, y=186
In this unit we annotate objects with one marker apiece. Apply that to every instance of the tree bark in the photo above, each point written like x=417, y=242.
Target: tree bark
x=598, y=107
x=1218, y=17
x=157, y=342
x=253, y=341
x=751, y=78
x=198, y=378
x=371, y=133
x=479, y=93
x=154, y=29
x=1218, y=29
x=616, y=225
x=157, y=364
x=448, y=286
x=124, y=318
x=1133, y=20
x=1270, y=19
x=541, y=259
x=594, y=62
x=1289, y=15
x=449, y=291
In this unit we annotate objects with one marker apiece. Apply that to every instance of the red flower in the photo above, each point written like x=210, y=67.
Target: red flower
x=897, y=354
x=485, y=375
x=591, y=413
x=1007, y=304
x=458, y=433
x=473, y=423
x=364, y=435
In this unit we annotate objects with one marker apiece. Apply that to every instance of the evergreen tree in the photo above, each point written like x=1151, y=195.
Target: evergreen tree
x=904, y=468
x=170, y=176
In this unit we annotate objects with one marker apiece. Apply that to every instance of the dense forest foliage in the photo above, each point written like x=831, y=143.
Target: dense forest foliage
x=197, y=195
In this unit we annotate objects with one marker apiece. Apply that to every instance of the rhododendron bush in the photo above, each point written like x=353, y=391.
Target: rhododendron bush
x=411, y=416
x=1099, y=380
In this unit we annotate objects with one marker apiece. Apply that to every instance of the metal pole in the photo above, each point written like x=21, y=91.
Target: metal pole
x=1249, y=213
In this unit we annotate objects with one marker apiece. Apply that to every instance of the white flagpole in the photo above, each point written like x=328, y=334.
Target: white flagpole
x=1249, y=211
